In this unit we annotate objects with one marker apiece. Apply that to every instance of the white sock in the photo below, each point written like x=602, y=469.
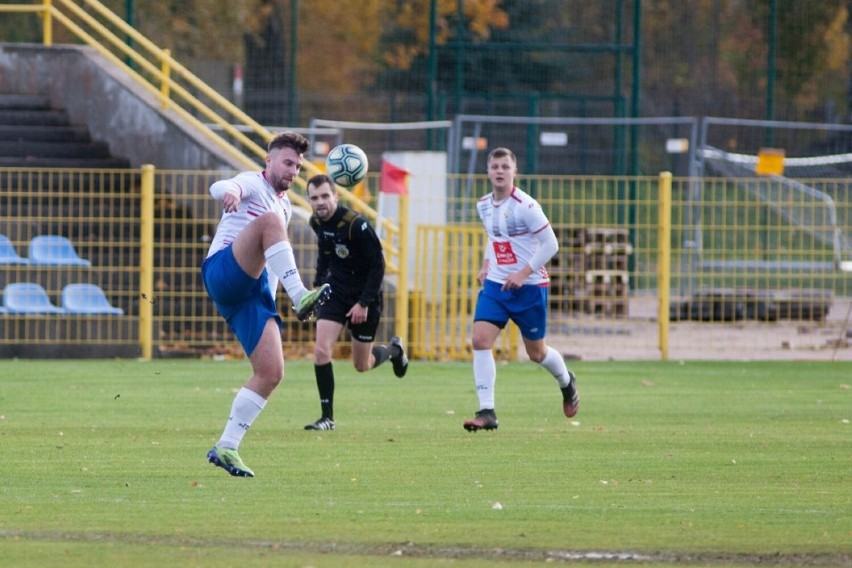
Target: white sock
x=247, y=405
x=554, y=363
x=280, y=259
x=484, y=375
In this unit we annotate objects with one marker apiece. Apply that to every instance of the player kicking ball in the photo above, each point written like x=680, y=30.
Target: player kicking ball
x=249, y=257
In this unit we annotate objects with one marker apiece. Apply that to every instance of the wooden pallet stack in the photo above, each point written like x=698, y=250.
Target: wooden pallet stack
x=590, y=273
x=568, y=270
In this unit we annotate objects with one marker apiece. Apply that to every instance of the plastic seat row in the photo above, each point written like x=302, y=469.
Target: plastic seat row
x=79, y=299
x=44, y=250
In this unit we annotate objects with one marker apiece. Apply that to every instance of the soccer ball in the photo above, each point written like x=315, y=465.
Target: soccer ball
x=346, y=165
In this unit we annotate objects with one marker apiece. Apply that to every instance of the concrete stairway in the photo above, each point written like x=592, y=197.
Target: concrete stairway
x=33, y=134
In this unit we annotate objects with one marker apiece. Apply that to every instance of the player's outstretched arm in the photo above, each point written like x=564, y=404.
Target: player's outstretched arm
x=228, y=192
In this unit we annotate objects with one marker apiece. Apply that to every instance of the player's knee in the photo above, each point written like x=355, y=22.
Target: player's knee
x=270, y=377
x=273, y=223
x=481, y=343
x=276, y=374
x=275, y=380
x=536, y=354
x=322, y=355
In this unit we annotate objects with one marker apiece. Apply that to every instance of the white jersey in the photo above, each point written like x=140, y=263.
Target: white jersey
x=256, y=198
x=512, y=225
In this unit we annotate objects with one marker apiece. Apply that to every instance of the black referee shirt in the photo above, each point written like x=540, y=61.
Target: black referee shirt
x=350, y=256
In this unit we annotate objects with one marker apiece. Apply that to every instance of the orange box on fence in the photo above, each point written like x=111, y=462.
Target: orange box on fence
x=770, y=162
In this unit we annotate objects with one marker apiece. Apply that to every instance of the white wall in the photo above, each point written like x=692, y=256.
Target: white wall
x=427, y=190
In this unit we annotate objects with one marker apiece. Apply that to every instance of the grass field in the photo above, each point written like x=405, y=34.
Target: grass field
x=723, y=464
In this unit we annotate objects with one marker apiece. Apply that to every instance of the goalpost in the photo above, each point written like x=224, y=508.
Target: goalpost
x=803, y=195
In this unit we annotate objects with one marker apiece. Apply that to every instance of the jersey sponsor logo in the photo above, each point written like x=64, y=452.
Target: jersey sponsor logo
x=342, y=251
x=503, y=253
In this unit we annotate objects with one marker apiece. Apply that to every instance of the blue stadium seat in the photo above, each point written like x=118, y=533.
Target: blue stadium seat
x=28, y=298
x=54, y=250
x=8, y=254
x=87, y=299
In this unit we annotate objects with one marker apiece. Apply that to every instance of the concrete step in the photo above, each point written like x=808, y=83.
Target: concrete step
x=25, y=102
x=48, y=162
x=29, y=133
x=30, y=149
x=34, y=117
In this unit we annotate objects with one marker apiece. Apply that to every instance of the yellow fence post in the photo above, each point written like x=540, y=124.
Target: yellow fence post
x=47, y=24
x=664, y=266
x=146, y=267
x=166, y=69
x=402, y=281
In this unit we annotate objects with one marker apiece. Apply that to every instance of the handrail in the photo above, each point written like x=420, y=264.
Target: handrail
x=166, y=59
x=167, y=81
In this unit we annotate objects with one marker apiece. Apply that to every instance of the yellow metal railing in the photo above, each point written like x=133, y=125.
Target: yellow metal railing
x=179, y=90
x=609, y=297
x=446, y=290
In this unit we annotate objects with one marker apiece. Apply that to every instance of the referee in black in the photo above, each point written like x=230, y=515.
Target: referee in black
x=350, y=258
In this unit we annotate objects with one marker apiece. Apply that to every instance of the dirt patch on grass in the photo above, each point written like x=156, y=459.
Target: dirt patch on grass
x=636, y=337
x=414, y=550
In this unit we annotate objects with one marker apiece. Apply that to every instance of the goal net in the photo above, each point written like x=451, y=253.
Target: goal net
x=803, y=198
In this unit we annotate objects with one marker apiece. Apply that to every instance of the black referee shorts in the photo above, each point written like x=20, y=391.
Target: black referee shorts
x=336, y=308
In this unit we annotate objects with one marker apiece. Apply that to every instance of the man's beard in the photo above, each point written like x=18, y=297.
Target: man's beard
x=280, y=185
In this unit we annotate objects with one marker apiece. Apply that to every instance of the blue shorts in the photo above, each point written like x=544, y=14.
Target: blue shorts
x=526, y=306
x=246, y=303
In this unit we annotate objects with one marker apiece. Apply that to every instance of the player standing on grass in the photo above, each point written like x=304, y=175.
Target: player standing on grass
x=249, y=255
x=350, y=259
x=514, y=286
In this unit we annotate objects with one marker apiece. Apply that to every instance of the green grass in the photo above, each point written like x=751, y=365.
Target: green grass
x=723, y=463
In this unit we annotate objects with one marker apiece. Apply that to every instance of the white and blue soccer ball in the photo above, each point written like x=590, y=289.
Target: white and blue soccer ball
x=346, y=165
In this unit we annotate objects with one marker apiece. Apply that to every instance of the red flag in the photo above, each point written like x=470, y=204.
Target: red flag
x=394, y=179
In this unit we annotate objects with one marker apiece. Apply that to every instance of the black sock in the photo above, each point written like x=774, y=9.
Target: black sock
x=325, y=386
x=381, y=353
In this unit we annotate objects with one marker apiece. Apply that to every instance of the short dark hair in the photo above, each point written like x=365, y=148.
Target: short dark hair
x=319, y=179
x=290, y=139
x=502, y=152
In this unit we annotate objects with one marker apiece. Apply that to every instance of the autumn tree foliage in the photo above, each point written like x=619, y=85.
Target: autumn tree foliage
x=698, y=57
